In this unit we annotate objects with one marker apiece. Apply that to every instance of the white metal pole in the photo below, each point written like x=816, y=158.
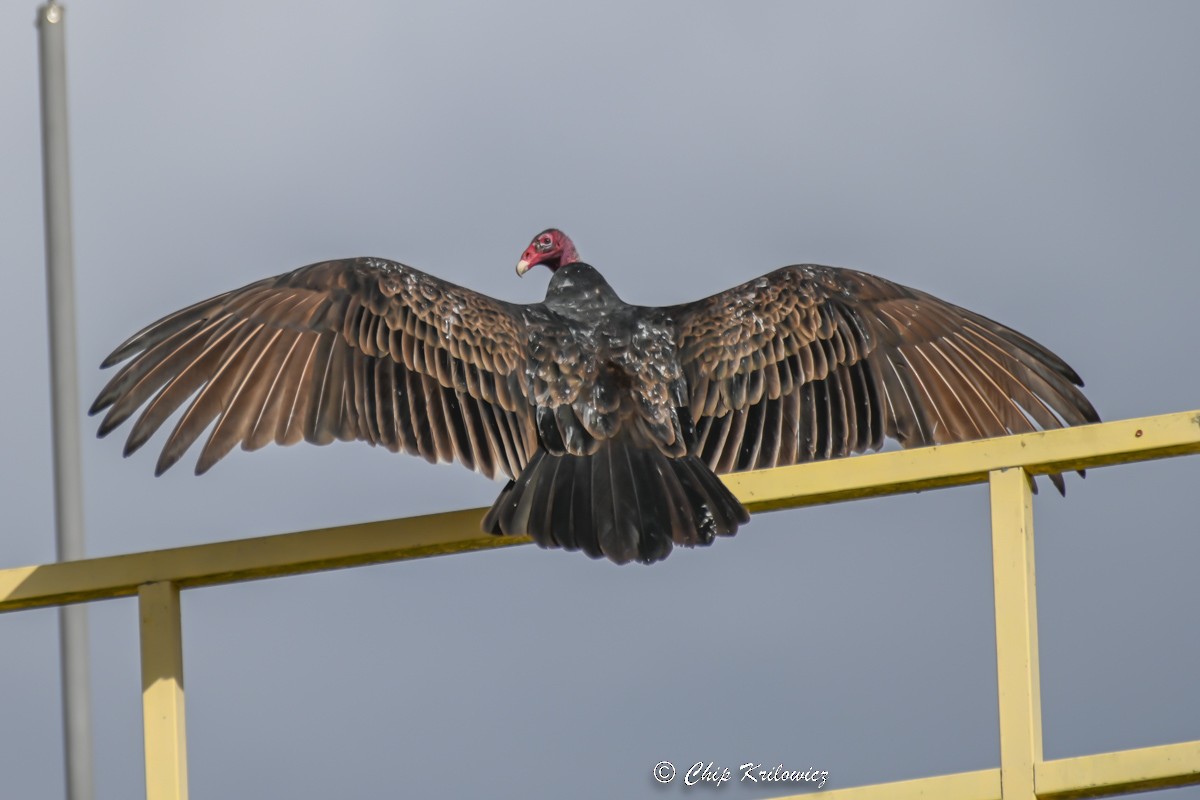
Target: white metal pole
x=64, y=389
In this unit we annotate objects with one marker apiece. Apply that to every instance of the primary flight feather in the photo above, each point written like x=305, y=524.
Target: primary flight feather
x=611, y=420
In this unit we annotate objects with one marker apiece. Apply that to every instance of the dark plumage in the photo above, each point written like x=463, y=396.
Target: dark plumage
x=610, y=419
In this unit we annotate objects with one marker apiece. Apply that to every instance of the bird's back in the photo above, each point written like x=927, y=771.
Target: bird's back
x=621, y=357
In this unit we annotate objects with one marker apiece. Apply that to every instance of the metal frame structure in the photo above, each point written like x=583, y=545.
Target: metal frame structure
x=157, y=577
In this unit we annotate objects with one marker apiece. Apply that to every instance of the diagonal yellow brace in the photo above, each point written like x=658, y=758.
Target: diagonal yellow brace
x=1019, y=690
x=162, y=691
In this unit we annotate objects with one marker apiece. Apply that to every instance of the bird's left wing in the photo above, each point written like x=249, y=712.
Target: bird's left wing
x=361, y=348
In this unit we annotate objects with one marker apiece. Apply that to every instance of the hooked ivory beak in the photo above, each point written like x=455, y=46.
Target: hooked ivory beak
x=523, y=266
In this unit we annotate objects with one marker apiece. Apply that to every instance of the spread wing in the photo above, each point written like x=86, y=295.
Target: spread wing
x=812, y=362
x=362, y=349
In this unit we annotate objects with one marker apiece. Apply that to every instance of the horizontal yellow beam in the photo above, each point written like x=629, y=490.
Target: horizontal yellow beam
x=1164, y=767
x=981, y=785
x=458, y=531
x=248, y=559
x=1121, y=442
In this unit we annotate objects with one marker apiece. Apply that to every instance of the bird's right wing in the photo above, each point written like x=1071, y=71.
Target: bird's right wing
x=363, y=349
x=812, y=362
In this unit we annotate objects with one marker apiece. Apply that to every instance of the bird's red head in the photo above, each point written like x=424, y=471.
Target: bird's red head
x=551, y=247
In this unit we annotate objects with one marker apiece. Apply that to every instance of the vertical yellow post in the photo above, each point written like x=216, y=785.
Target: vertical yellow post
x=1016, y=632
x=162, y=692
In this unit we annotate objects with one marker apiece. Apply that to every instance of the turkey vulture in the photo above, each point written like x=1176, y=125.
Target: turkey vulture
x=611, y=420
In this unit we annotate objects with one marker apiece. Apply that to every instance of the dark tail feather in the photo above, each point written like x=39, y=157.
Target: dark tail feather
x=622, y=502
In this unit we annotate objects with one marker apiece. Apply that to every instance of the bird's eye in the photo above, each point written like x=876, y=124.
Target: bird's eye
x=544, y=244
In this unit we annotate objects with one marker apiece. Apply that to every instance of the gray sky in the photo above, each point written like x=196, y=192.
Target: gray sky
x=1036, y=162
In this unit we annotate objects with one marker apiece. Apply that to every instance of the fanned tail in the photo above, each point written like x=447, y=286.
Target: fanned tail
x=622, y=502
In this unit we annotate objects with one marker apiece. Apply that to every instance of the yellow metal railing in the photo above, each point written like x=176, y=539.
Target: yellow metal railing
x=157, y=576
